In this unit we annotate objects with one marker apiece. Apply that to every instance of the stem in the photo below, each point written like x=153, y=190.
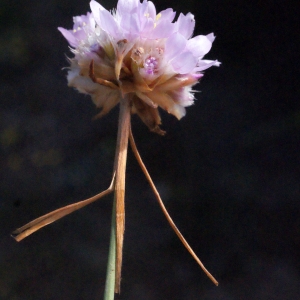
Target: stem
x=114, y=264
x=109, y=291
x=120, y=169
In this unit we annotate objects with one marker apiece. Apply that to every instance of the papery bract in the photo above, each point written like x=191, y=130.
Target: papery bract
x=138, y=53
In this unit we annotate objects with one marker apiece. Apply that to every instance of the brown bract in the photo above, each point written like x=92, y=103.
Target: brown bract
x=121, y=76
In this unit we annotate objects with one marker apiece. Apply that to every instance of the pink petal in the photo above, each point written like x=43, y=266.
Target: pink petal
x=167, y=14
x=205, y=64
x=211, y=37
x=186, y=24
x=96, y=8
x=109, y=24
x=127, y=6
x=163, y=29
x=129, y=23
x=146, y=27
x=69, y=36
x=175, y=44
x=184, y=63
x=151, y=10
x=199, y=45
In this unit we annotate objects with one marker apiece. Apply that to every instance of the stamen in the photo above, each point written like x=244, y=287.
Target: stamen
x=139, y=51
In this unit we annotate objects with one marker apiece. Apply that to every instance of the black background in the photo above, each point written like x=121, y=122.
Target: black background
x=228, y=172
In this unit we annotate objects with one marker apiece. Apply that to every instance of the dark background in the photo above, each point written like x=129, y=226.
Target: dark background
x=228, y=172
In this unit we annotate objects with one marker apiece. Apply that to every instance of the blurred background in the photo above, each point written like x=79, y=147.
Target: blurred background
x=228, y=172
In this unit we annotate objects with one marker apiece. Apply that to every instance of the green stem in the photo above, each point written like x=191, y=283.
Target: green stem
x=109, y=292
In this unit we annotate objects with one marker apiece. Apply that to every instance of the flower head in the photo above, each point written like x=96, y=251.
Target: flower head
x=137, y=53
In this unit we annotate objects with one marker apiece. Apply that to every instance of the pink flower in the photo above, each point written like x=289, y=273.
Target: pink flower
x=137, y=53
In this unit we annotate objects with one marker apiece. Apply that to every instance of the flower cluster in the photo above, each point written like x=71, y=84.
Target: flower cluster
x=136, y=53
